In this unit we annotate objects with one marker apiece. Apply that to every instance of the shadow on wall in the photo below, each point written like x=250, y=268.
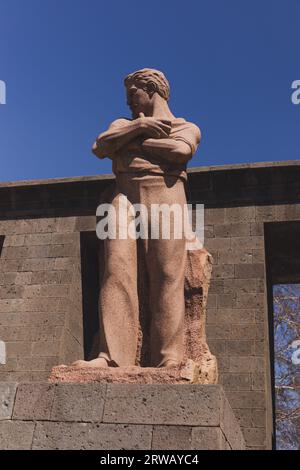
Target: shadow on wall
x=91, y=275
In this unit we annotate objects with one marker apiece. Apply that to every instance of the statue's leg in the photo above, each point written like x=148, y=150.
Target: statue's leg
x=118, y=302
x=166, y=259
x=166, y=269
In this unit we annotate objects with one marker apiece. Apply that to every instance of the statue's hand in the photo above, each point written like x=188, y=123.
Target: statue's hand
x=154, y=128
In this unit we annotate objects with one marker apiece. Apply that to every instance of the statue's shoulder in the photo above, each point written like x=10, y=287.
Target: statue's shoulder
x=183, y=125
x=122, y=121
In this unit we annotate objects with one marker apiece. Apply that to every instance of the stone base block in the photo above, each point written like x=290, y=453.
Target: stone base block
x=188, y=372
x=117, y=416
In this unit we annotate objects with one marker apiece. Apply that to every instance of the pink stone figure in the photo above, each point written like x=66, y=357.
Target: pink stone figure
x=149, y=154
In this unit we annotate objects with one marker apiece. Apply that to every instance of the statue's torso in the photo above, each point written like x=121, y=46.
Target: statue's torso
x=131, y=159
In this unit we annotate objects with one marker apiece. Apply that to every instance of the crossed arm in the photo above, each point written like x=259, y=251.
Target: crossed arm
x=153, y=137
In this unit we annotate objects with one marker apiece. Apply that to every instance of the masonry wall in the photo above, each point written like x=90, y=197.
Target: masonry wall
x=40, y=296
x=116, y=416
x=239, y=319
x=41, y=314
x=237, y=315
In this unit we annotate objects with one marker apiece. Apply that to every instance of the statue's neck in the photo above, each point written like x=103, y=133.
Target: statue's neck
x=161, y=110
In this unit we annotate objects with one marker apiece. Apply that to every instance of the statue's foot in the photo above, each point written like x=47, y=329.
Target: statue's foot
x=98, y=362
x=171, y=363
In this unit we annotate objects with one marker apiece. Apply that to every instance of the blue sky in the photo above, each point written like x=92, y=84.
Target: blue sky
x=230, y=63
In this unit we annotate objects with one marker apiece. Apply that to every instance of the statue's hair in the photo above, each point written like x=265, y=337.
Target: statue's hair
x=150, y=76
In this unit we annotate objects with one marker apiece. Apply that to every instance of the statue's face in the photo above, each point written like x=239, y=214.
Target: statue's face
x=138, y=99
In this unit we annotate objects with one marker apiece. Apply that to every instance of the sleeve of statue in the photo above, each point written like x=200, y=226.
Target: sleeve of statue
x=190, y=134
x=115, y=129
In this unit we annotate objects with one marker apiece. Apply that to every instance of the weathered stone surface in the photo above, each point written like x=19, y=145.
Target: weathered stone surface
x=240, y=214
x=249, y=271
x=172, y=438
x=7, y=398
x=88, y=436
x=240, y=381
x=220, y=244
x=16, y=435
x=244, y=417
x=80, y=402
x=230, y=426
x=223, y=271
x=215, y=216
x=28, y=376
x=34, y=401
x=197, y=279
x=255, y=436
x=247, y=399
x=188, y=372
x=115, y=416
x=236, y=256
x=192, y=405
x=258, y=419
x=208, y=438
x=232, y=230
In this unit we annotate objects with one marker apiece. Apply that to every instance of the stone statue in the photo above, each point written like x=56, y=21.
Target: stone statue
x=149, y=154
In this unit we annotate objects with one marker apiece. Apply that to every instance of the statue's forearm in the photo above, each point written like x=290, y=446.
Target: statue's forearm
x=167, y=150
x=113, y=139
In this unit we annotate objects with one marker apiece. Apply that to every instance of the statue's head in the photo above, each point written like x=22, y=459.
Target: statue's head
x=141, y=87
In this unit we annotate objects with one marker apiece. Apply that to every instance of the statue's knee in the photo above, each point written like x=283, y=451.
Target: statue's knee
x=118, y=278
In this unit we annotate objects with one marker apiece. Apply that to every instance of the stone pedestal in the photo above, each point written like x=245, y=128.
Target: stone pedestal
x=187, y=372
x=116, y=416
